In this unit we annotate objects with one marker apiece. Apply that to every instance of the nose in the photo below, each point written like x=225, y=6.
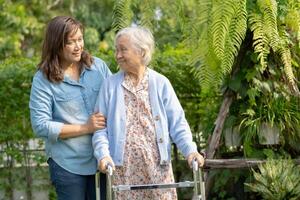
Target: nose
x=118, y=55
x=77, y=45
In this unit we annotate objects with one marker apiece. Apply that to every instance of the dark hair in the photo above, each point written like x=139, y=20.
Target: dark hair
x=56, y=35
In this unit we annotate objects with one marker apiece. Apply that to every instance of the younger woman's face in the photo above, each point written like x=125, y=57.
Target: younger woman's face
x=73, y=48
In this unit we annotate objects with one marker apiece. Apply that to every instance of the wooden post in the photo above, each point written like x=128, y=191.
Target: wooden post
x=215, y=139
x=235, y=163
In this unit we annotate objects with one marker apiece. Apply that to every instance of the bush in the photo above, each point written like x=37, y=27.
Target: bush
x=277, y=180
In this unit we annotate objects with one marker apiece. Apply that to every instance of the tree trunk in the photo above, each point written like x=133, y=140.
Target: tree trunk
x=215, y=139
x=224, y=110
x=9, y=189
x=27, y=172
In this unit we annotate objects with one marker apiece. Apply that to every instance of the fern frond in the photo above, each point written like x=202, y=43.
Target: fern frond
x=288, y=70
x=147, y=11
x=260, y=39
x=122, y=14
x=198, y=24
x=219, y=28
x=206, y=66
x=235, y=36
x=293, y=17
x=198, y=38
x=221, y=15
x=269, y=10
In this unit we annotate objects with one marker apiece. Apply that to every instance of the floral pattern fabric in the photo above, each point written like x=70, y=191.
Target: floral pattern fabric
x=141, y=157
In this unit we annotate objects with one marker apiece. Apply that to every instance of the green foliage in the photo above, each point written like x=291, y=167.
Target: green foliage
x=15, y=77
x=122, y=14
x=277, y=180
x=158, y=16
x=93, y=14
x=263, y=98
x=91, y=39
x=22, y=23
x=18, y=29
x=229, y=184
x=263, y=23
x=218, y=29
x=173, y=63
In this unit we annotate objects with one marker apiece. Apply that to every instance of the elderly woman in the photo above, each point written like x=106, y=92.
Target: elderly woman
x=144, y=117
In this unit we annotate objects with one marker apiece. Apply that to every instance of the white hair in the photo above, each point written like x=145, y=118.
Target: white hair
x=141, y=38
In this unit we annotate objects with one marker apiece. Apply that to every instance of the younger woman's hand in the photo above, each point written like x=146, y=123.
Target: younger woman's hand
x=96, y=122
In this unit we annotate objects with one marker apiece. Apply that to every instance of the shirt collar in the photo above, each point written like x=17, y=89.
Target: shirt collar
x=128, y=82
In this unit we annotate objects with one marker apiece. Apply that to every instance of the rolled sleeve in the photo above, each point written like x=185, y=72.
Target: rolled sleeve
x=54, y=130
x=40, y=105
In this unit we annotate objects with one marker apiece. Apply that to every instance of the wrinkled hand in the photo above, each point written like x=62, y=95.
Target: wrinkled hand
x=104, y=162
x=197, y=156
x=96, y=122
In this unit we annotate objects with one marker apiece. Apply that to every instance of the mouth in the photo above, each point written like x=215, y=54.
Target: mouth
x=76, y=54
x=121, y=61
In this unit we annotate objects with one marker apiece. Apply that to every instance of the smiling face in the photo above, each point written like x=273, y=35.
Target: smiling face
x=127, y=55
x=73, y=48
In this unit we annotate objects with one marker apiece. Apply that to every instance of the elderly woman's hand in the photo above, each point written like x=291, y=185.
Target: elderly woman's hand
x=104, y=162
x=197, y=156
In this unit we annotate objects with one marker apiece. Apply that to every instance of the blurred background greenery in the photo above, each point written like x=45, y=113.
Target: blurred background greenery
x=207, y=48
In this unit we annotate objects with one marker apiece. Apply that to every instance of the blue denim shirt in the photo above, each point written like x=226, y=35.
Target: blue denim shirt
x=170, y=123
x=69, y=102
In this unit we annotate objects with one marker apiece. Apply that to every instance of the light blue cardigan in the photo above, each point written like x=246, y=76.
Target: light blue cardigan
x=168, y=115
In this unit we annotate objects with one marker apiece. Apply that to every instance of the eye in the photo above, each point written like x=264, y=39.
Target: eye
x=69, y=42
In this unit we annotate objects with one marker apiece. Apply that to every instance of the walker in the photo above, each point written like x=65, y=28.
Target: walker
x=111, y=190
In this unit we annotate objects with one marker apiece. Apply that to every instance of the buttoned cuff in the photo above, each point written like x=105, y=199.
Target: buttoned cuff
x=100, y=154
x=190, y=149
x=55, y=129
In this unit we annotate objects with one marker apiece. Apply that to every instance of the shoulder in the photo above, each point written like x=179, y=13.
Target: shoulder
x=98, y=64
x=41, y=83
x=39, y=77
x=114, y=80
x=158, y=78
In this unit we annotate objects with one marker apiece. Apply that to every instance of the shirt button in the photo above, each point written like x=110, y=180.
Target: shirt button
x=157, y=118
x=161, y=140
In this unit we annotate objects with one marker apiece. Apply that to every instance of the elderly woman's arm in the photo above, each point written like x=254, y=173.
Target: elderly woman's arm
x=101, y=149
x=100, y=138
x=178, y=126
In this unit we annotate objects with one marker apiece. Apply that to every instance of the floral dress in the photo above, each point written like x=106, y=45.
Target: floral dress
x=141, y=157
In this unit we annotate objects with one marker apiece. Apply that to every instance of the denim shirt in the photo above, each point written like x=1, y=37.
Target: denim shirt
x=169, y=119
x=69, y=102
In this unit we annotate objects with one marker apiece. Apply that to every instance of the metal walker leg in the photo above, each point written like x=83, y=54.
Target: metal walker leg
x=198, y=184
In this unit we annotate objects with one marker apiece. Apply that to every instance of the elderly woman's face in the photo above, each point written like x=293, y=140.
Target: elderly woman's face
x=128, y=57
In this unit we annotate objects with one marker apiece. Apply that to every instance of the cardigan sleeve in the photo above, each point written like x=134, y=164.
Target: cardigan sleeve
x=100, y=139
x=179, y=128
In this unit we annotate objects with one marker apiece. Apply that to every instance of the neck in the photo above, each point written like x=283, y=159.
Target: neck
x=138, y=74
x=72, y=71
